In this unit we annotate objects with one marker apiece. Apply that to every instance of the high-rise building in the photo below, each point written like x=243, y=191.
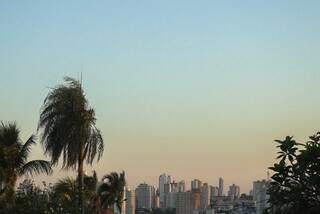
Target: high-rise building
x=145, y=196
x=163, y=179
x=169, y=179
x=174, y=186
x=182, y=186
x=260, y=196
x=196, y=184
x=214, y=191
x=171, y=200
x=220, y=192
x=153, y=197
x=181, y=203
x=187, y=202
x=170, y=190
x=167, y=190
x=205, y=196
x=130, y=202
x=234, y=191
x=157, y=199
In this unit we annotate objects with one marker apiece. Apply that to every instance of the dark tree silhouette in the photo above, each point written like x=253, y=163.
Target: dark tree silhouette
x=14, y=161
x=69, y=131
x=111, y=191
x=65, y=191
x=295, y=184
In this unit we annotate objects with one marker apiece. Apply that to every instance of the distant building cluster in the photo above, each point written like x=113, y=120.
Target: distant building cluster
x=201, y=198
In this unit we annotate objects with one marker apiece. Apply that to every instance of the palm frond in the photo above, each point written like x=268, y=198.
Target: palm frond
x=94, y=146
x=9, y=134
x=65, y=185
x=68, y=125
x=36, y=167
x=26, y=148
x=112, y=190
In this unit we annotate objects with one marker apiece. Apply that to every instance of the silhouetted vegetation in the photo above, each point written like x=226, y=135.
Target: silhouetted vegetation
x=68, y=130
x=111, y=191
x=14, y=163
x=295, y=185
x=64, y=195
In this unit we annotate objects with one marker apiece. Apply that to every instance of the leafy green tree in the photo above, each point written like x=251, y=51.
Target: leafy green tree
x=111, y=191
x=295, y=184
x=31, y=199
x=14, y=161
x=69, y=130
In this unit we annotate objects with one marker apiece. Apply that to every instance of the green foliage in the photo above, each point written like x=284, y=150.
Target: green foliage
x=64, y=195
x=14, y=162
x=111, y=191
x=295, y=185
x=31, y=199
x=69, y=131
x=68, y=126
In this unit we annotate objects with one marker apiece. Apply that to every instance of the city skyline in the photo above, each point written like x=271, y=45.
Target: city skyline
x=200, y=197
x=193, y=89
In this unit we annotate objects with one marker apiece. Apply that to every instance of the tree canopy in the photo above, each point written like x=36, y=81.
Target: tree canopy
x=295, y=184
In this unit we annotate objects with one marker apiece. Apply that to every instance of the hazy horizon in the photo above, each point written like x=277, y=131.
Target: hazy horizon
x=196, y=90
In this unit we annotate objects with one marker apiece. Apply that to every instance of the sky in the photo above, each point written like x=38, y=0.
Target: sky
x=196, y=89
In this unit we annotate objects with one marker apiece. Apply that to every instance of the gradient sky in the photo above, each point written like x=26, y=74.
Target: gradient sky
x=198, y=89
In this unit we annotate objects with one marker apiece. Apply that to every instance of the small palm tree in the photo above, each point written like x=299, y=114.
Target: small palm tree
x=111, y=191
x=65, y=191
x=14, y=160
x=68, y=130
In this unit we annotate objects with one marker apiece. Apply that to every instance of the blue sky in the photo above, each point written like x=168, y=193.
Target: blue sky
x=170, y=79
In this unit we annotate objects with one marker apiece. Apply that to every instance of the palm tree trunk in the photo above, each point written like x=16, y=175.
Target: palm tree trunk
x=80, y=181
x=10, y=191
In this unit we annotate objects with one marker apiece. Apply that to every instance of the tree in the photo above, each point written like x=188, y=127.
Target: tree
x=14, y=161
x=295, y=184
x=32, y=199
x=69, y=130
x=64, y=195
x=111, y=191
x=65, y=190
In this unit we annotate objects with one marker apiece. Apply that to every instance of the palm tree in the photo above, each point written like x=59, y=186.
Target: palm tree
x=69, y=130
x=111, y=191
x=14, y=160
x=65, y=190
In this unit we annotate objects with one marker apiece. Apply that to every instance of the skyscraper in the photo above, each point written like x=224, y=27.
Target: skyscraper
x=234, y=191
x=260, y=196
x=144, y=196
x=163, y=179
x=182, y=186
x=205, y=196
x=196, y=184
x=214, y=191
x=130, y=203
x=187, y=202
x=220, y=192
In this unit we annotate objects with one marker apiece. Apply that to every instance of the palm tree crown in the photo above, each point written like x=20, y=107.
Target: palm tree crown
x=69, y=130
x=14, y=159
x=65, y=191
x=111, y=191
x=69, y=125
